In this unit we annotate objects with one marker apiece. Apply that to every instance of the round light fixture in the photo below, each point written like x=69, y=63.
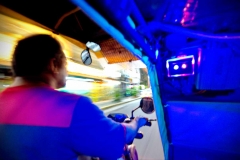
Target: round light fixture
x=184, y=66
x=176, y=67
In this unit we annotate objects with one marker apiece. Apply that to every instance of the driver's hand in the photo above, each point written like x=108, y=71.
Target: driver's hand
x=141, y=121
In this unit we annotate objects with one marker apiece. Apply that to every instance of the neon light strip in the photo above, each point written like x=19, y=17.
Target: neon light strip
x=167, y=65
x=199, y=56
x=180, y=58
x=179, y=75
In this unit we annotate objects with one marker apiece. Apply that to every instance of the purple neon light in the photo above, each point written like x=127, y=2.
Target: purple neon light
x=180, y=58
x=193, y=61
x=199, y=56
x=180, y=75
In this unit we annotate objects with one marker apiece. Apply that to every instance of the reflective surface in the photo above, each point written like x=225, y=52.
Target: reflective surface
x=147, y=106
x=86, y=57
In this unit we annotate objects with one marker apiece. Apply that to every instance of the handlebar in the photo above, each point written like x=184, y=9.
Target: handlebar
x=139, y=135
x=152, y=120
x=149, y=122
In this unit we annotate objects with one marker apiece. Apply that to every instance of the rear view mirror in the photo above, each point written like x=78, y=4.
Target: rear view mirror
x=86, y=57
x=146, y=104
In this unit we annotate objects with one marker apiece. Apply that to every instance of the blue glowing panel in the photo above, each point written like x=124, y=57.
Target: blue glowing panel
x=219, y=72
x=203, y=130
x=181, y=66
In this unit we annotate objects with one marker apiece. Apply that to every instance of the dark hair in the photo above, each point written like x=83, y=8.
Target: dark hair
x=32, y=55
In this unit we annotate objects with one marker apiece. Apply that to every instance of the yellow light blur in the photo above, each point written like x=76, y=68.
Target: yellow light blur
x=112, y=83
x=75, y=67
x=12, y=30
x=78, y=85
x=7, y=44
x=67, y=53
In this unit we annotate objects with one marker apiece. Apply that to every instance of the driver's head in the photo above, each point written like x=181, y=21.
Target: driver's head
x=39, y=58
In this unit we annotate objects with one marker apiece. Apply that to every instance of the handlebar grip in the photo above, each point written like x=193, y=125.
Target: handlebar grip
x=148, y=123
x=139, y=135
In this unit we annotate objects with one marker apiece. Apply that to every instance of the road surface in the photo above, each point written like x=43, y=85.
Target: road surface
x=150, y=147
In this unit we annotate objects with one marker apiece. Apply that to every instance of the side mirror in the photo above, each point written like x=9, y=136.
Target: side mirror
x=147, y=106
x=86, y=57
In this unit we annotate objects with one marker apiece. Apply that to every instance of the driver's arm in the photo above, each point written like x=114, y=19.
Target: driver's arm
x=93, y=134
